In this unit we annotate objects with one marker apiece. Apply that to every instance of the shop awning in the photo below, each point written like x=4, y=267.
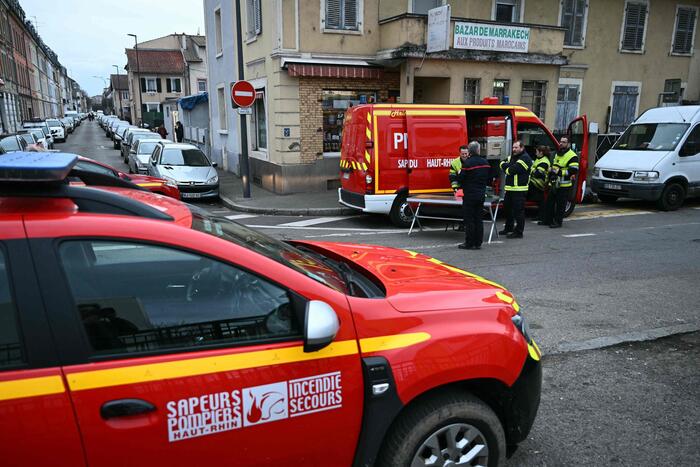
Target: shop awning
x=331, y=68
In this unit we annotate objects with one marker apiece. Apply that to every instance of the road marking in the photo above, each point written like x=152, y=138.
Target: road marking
x=309, y=222
x=339, y=229
x=580, y=235
x=604, y=214
x=240, y=216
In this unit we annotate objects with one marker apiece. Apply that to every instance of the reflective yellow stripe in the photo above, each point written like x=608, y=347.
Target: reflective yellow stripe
x=367, y=156
x=519, y=113
x=353, y=164
x=437, y=113
x=31, y=387
x=377, y=344
x=469, y=274
x=201, y=366
x=412, y=253
x=149, y=184
x=368, y=133
x=516, y=188
x=206, y=365
x=369, y=119
x=505, y=298
x=523, y=163
x=534, y=351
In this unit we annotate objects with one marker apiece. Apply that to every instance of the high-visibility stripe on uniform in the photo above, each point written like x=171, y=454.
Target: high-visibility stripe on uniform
x=515, y=188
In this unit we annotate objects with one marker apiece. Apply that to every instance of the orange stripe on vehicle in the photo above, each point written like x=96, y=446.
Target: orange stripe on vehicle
x=31, y=387
x=397, y=341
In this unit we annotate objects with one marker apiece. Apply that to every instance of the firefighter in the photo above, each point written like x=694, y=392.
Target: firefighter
x=561, y=177
x=538, y=179
x=471, y=173
x=517, y=169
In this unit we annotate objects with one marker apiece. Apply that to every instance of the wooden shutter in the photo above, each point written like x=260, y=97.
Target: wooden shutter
x=250, y=18
x=635, y=19
x=168, y=85
x=159, y=87
x=577, y=24
x=683, y=35
x=350, y=14
x=333, y=8
x=258, y=17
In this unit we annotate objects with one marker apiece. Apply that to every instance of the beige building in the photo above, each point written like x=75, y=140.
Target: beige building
x=311, y=59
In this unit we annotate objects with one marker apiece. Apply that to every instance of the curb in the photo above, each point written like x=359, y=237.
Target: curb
x=609, y=341
x=339, y=211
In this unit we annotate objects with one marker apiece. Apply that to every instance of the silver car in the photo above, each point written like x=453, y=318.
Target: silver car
x=187, y=166
x=140, y=153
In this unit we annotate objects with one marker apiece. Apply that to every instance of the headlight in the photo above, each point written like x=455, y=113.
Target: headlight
x=214, y=179
x=596, y=171
x=170, y=182
x=646, y=176
x=520, y=323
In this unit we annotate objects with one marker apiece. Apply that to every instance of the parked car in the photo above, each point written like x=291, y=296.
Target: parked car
x=68, y=124
x=188, y=167
x=118, y=134
x=57, y=130
x=36, y=123
x=140, y=330
x=140, y=153
x=656, y=159
x=153, y=184
x=39, y=136
x=127, y=140
x=12, y=142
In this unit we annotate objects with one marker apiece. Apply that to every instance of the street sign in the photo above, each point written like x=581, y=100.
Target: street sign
x=245, y=111
x=243, y=93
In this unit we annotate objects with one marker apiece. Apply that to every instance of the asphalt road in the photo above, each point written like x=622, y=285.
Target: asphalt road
x=613, y=273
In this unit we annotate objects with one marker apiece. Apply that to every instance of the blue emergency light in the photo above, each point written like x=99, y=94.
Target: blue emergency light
x=23, y=166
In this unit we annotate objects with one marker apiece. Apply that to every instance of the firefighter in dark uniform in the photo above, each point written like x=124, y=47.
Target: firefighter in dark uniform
x=471, y=173
x=538, y=179
x=561, y=178
x=517, y=169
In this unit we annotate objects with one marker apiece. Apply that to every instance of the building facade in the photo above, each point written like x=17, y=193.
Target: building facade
x=311, y=59
x=119, y=91
x=171, y=67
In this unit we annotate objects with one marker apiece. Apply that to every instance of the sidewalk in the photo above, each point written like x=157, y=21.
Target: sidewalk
x=265, y=202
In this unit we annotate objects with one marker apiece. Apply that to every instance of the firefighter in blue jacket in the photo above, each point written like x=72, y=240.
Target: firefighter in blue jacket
x=517, y=169
x=471, y=173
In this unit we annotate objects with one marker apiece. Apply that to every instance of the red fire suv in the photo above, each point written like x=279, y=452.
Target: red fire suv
x=138, y=330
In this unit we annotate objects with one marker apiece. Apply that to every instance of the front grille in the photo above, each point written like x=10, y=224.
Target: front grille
x=195, y=188
x=354, y=199
x=615, y=175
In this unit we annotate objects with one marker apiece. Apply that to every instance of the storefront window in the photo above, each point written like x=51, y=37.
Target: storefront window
x=334, y=105
x=259, y=121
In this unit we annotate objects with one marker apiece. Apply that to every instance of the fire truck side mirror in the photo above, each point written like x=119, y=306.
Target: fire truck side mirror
x=320, y=325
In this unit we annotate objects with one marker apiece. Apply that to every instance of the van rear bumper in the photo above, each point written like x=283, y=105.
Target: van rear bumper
x=645, y=191
x=377, y=204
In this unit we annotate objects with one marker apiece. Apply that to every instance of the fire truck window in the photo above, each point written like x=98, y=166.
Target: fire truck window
x=11, y=354
x=135, y=298
x=533, y=135
x=334, y=105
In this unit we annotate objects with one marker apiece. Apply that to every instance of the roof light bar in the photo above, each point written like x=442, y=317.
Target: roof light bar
x=23, y=166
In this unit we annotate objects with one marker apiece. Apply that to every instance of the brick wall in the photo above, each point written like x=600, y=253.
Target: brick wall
x=311, y=113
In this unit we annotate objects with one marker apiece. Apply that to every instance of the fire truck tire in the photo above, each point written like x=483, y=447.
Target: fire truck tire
x=570, y=206
x=447, y=426
x=401, y=214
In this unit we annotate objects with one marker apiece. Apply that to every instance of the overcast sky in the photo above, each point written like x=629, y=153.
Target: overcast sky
x=90, y=36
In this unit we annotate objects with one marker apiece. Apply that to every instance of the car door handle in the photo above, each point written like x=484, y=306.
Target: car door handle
x=125, y=408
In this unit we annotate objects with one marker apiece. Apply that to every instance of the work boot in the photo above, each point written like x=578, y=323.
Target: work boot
x=515, y=235
x=464, y=246
x=504, y=232
x=555, y=226
x=543, y=223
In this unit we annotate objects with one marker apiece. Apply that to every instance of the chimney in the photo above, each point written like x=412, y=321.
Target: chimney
x=184, y=41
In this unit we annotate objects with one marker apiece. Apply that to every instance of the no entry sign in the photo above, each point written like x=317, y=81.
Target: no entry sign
x=243, y=93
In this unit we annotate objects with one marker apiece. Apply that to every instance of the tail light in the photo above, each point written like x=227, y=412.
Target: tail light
x=368, y=179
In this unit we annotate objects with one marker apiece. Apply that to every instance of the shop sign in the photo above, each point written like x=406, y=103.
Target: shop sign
x=482, y=36
x=438, y=29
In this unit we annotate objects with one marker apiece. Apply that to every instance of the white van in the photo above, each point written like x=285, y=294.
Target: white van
x=657, y=159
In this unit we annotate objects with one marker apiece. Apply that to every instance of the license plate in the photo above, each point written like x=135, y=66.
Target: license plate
x=346, y=176
x=191, y=195
x=612, y=186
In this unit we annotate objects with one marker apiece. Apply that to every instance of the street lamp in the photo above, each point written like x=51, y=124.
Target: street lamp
x=119, y=93
x=138, y=79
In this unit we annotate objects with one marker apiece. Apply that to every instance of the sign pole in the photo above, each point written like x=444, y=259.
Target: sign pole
x=245, y=166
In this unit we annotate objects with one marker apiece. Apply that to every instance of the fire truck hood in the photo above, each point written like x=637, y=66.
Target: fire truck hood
x=416, y=282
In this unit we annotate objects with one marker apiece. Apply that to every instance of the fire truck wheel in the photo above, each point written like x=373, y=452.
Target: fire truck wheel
x=401, y=214
x=570, y=206
x=450, y=429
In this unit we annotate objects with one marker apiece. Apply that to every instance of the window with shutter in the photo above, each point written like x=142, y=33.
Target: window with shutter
x=421, y=7
x=573, y=18
x=635, y=22
x=341, y=14
x=253, y=18
x=685, y=27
